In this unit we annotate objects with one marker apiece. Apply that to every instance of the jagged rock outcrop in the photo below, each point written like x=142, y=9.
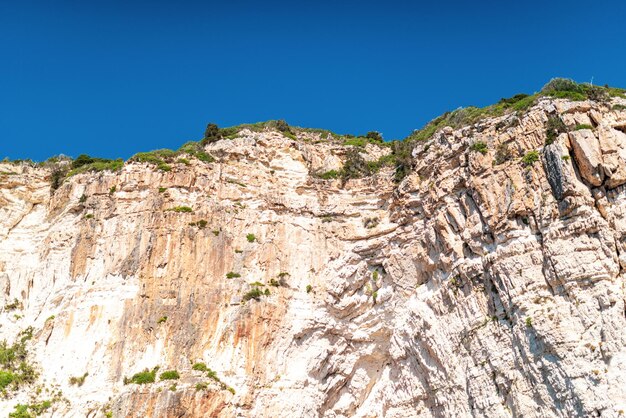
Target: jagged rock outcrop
x=481, y=285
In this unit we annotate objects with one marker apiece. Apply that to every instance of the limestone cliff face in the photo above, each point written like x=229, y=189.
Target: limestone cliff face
x=481, y=285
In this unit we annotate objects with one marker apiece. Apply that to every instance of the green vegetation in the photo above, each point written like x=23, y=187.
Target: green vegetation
x=257, y=283
x=582, y=126
x=309, y=288
x=274, y=282
x=200, y=367
x=82, y=199
x=88, y=216
x=374, y=296
x=162, y=189
x=479, y=146
x=251, y=237
x=15, y=369
x=78, y=380
x=84, y=163
x=529, y=322
x=195, y=149
x=211, y=374
x=231, y=275
x=329, y=175
x=30, y=410
x=163, y=157
x=255, y=294
x=563, y=88
x=16, y=304
x=618, y=107
x=211, y=134
x=530, y=158
x=142, y=378
x=554, y=127
x=112, y=190
x=200, y=224
x=238, y=183
x=157, y=157
x=170, y=375
x=57, y=176
x=470, y=115
x=565, y=157
x=181, y=209
x=503, y=154
x=162, y=320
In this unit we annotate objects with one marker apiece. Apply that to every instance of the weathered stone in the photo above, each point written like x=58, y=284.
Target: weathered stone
x=588, y=155
x=469, y=289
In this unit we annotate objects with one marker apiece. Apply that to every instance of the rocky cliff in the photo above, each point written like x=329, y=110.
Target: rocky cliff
x=488, y=282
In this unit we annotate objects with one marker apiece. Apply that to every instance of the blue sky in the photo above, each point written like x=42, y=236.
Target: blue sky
x=117, y=77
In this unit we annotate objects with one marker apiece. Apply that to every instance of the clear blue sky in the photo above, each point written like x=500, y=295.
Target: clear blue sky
x=117, y=77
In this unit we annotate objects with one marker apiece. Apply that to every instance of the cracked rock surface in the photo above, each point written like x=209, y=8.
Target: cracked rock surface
x=481, y=285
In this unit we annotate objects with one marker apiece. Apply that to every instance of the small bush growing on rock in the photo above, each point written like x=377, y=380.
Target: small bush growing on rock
x=30, y=410
x=355, y=166
x=564, y=88
x=142, y=378
x=530, y=158
x=181, y=209
x=232, y=275
x=529, y=322
x=170, y=375
x=370, y=223
x=582, y=126
x=162, y=189
x=201, y=224
x=374, y=136
x=255, y=294
x=479, y=146
x=554, y=127
x=329, y=175
x=162, y=320
x=78, y=380
x=503, y=154
x=274, y=282
x=82, y=199
x=211, y=134
x=112, y=190
x=251, y=237
x=16, y=304
x=200, y=367
x=309, y=288
x=201, y=386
